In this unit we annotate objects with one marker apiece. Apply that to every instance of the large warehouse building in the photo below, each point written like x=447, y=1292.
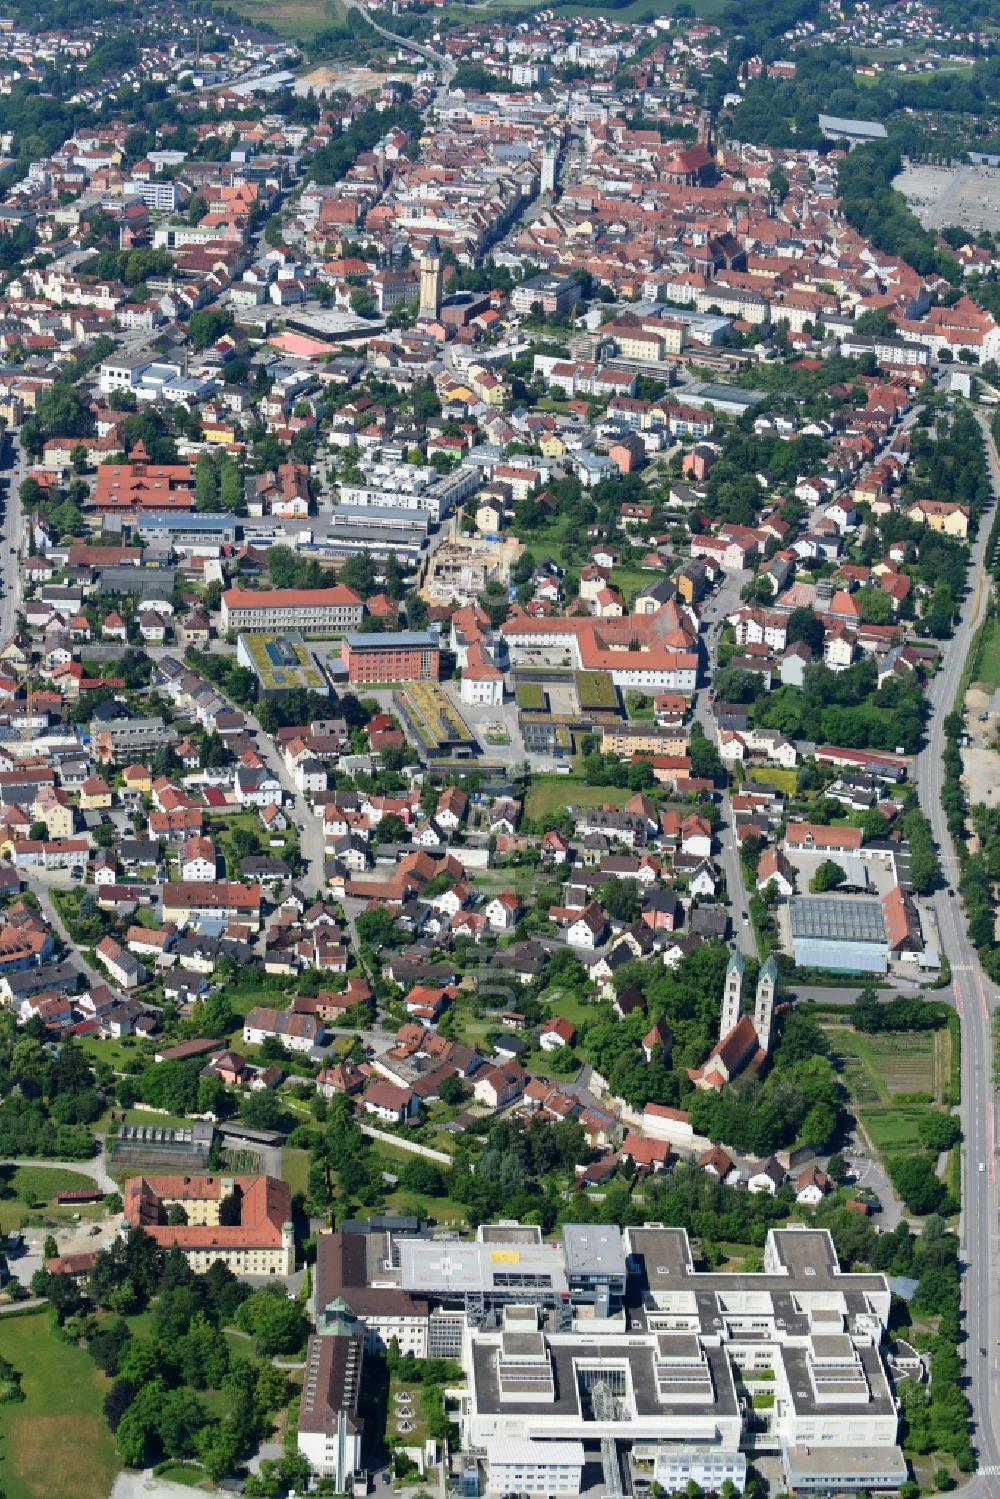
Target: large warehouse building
x=839, y=933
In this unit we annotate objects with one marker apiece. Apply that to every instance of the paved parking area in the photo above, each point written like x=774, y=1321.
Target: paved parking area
x=965, y=195
x=540, y=656
x=882, y=876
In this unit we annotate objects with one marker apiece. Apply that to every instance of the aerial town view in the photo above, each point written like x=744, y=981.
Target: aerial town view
x=499, y=749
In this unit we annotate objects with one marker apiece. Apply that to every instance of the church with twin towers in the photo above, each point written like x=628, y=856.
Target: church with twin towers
x=744, y=1038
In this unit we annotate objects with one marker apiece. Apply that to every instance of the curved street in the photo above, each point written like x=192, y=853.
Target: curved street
x=439, y=59
x=95, y=1168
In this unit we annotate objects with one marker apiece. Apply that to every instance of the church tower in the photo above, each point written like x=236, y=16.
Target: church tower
x=431, y=279
x=732, y=995
x=704, y=137
x=763, y=1013
x=550, y=157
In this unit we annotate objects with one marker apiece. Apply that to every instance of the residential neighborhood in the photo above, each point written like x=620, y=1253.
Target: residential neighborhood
x=499, y=705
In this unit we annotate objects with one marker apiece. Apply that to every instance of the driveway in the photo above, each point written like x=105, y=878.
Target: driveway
x=147, y=1486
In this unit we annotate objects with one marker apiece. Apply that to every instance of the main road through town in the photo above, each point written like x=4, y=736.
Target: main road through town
x=12, y=471
x=975, y=998
x=714, y=616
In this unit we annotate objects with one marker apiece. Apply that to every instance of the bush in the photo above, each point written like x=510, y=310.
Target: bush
x=917, y=1183
x=939, y=1132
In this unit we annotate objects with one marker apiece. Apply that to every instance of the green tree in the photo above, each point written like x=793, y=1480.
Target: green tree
x=230, y=485
x=829, y=875
x=362, y=302
x=876, y=606
x=452, y=1090
x=939, y=1132
x=207, y=326
x=705, y=760
x=206, y=483
x=260, y=1109
x=181, y=1417
x=392, y=829
x=218, y=1445
x=806, y=626
x=917, y=1182
x=620, y=899
x=276, y=1324
x=377, y=928
x=212, y=753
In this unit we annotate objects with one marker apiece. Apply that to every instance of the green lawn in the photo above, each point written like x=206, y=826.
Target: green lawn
x=115, y=1053
x=705, y=9
x=157, y=1121
x=240, y=1346
x=24, y=1189
x=552, y=794
x=856, y=1065
x=987, y=667
x=56, y=1442
x=530, y=695
x=785, y=781
x=140, y=1324
x=893, y=1128
x=294, y=18
x=629, y=581
x=416, y=1434
x=880, y=1071
x=415, y=1204
x=295, y=1169
x=261, y=989
x=880, y=1067
x=572, y=1008
x=543, y=1064
x=183, y=1473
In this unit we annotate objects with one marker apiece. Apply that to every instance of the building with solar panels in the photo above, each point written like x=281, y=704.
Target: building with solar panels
x=839, y=933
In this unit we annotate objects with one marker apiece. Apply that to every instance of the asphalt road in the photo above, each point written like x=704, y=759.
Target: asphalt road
x=42, y=890
x=975, y=998
x=310, y=826
x=440, y=59
x=714, y=613
x=12, y=469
